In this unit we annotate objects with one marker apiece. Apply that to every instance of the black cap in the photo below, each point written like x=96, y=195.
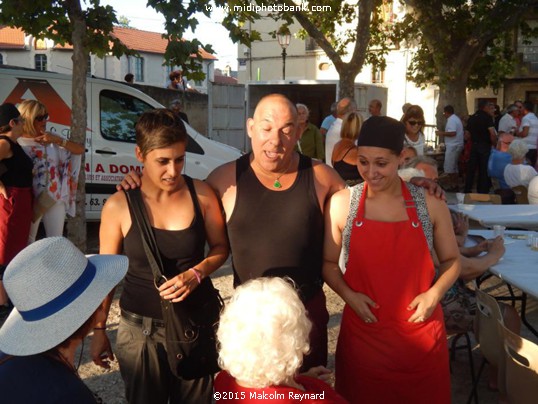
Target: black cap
x=7, y=113
x=382, y=131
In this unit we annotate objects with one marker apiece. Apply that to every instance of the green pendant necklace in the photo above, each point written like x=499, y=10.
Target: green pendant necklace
x=277, y=183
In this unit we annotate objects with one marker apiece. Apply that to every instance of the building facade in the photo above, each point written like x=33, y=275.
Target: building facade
x=306, y=61
x=19, y=49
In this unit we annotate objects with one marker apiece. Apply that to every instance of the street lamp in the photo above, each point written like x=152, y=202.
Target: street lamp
x=283, y=36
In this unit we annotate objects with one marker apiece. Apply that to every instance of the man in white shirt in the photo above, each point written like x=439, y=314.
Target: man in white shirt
x=508, y=123
x=454, y=145
x=529, y=131
x=344, y=107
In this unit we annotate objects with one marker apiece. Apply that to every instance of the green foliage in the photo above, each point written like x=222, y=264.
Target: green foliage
x=469, y=41
x=124, y=22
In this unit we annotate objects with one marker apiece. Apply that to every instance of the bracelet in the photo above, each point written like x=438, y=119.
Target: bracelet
x=197, y=274
x=99, y=328
x=64, y=142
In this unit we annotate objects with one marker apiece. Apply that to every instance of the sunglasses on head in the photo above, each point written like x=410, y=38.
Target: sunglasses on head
x=41, y=118
x=413, y=123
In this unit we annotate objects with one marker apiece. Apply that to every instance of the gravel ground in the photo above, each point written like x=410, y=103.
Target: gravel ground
x=109, y=386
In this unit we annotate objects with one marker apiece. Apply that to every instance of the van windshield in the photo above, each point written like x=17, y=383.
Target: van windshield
x=119, y=114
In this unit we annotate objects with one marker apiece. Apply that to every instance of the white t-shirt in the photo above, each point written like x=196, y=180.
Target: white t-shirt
x=533, y=191
x=454, y=124
x=507, y=124
x=418, y=145
x=518, y=174
x=531, y=121
x=331, y=138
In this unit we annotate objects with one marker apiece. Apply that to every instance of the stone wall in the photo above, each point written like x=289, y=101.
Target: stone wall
x=194, y=104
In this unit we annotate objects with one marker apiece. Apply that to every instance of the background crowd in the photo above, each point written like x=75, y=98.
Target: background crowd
x=380, y=236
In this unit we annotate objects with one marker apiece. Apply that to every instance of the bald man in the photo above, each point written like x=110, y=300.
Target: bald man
x=273, y=199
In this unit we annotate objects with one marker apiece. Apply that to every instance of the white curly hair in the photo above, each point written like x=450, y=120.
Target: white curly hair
x=263, y=333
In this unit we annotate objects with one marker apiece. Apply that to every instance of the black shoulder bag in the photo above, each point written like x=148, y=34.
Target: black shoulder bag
x=190, y=329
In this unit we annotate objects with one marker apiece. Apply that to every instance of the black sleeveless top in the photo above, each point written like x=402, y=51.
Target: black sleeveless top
x=19, y=167
x=277, y=233
x=180, y=250
x=348, y=172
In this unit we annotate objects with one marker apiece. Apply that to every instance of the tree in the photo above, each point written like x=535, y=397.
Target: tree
x=462, y=44
x=124, y=22
x=334, y=25
x=90, y=30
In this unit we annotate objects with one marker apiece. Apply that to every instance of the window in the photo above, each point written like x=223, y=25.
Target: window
x=378, y=75
x=119, y=113
x=139, y=69
x=1, y=59
x=41, y=62
x=311, y=44
x=528, y=48
x=89, y=72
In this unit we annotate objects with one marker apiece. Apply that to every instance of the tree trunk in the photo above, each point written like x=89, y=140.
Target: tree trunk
x=452, y=93
x=347, y=82
x=76, y=226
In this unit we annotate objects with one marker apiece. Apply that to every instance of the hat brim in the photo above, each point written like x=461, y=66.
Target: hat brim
x=21, y=338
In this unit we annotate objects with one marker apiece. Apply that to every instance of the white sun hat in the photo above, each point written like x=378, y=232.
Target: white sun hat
x=54, y=289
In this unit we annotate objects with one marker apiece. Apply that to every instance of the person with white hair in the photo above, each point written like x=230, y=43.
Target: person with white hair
x=263, y=336
x=508, y=123
x=310, y=139
x=518, y=173
x=56, y=291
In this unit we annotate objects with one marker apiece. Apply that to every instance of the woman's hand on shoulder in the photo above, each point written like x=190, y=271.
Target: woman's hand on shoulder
x=431, y=186
x=131, y=180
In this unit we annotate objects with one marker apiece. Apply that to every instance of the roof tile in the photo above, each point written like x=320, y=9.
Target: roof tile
x=11, y=38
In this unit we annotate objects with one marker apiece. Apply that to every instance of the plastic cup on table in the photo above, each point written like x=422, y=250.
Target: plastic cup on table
x=460, y=196
x=534, y=245
x=498, y=230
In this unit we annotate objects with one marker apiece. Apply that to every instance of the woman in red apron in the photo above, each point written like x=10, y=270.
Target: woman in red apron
x=392, y=344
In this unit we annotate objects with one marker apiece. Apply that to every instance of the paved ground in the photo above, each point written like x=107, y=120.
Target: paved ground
x=109, y=386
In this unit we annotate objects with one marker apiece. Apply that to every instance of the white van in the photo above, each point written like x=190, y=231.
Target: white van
x=113, y=109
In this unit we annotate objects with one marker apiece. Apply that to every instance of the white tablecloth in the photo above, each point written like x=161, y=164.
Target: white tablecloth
x=518, y=216
x=519, y=265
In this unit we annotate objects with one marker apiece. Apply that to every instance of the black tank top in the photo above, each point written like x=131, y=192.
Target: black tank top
x=19, y=167
x=348, y=172
x=180, y=250
x=277, y=233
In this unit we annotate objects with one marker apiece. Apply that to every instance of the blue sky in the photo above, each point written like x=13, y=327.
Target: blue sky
x=208, y=31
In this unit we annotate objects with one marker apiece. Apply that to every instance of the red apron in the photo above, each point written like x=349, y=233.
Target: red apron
x=391, y=360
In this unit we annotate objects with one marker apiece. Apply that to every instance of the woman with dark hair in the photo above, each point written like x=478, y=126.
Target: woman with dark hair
x=413, y=120
x=392, y=343
x=15, y=193
x=184, y=214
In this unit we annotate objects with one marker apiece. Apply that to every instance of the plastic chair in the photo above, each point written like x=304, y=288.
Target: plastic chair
x=488, y=315
x=521, y=194
x=486, y=199
x=521, y=368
